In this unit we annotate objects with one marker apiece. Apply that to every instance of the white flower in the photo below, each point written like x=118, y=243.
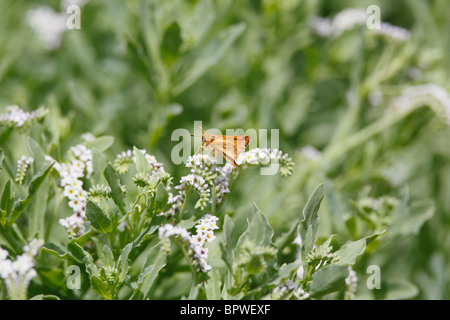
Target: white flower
x=311, y=153
x=16, y=117
x=74, y=225
x=209, y=235
x=18, y=274
x=419, y=95
x=351, y=17
x=48, y=25
x=88, y=137
x=196, y=242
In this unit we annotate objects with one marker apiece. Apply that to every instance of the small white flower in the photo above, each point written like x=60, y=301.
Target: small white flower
x=88, y=137
x=48, y=25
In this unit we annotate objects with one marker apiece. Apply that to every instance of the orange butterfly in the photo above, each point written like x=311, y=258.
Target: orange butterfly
x=228, y=146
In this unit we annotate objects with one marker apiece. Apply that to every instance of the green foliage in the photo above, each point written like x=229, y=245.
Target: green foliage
x=365, y=183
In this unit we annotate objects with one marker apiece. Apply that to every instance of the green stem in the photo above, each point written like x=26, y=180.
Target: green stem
x=188, y=193
x=192, y=292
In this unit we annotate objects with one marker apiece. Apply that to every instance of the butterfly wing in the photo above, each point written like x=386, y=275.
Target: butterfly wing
x=230, y=146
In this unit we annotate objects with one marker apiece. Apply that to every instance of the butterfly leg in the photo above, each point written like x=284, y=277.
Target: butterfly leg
x=201, y=146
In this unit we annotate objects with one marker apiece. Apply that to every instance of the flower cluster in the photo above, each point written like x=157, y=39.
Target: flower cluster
x=348, y=19
x=205, y=177
x=264, y=156
x=50, y=25
x=321, y=256
x=122, y=161
x=195, y=243
x=16, y=117
x=17, y=274
x=70, y=179
x=22, y=166
x=99, y=191
x=254, y=258
x=288, y=290
x=420, y=95
x=352, y=283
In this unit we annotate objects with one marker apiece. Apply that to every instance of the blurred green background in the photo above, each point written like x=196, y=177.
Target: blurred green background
x=138, y=70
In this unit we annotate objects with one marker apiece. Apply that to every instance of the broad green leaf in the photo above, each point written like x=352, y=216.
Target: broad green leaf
x=285, y=272
x=208, y=56
x=327, y=280
x=259, y=232
x=38, y=206
x=350, y=251
x=213, y=284
x=161, y=196
x=100, y=143
x=399, y=289
x=94, y=275
x=99, y=219
x=37, y=153
x=288, y=238
x=59, y=251
x=108, y=257
x=142, y=164
x=21, y=204
x=410, y=222
x=116, y=191
x=156, y=260
x=309, y=225
x=228, y=227
x=99, y=162
x=154, y=224
x=100, y=287
x=122, y=263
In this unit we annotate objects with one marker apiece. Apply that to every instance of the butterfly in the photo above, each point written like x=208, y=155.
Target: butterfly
x=228, y=146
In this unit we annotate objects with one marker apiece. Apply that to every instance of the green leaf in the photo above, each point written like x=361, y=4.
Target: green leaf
x=122, y=263
x=350, y=251
x=21, y=204
x=161, y=196
x=208, y=57
x=309, y=225
x=142, y=164
x=327, y=280
x=154, y=224
x=38, y=206
x=409, y=222
x=399, y=289
x=99, y=162
x=101, y=143
x=108, y=257
x=38, y=154
x=116, y=191
x=259, y=232
x=156, y=260
x=59, y=251
x=94, y=275
x=99, y=219
x=3, y=217
x=100, y=287
x=7, y=200
x=213, y=284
